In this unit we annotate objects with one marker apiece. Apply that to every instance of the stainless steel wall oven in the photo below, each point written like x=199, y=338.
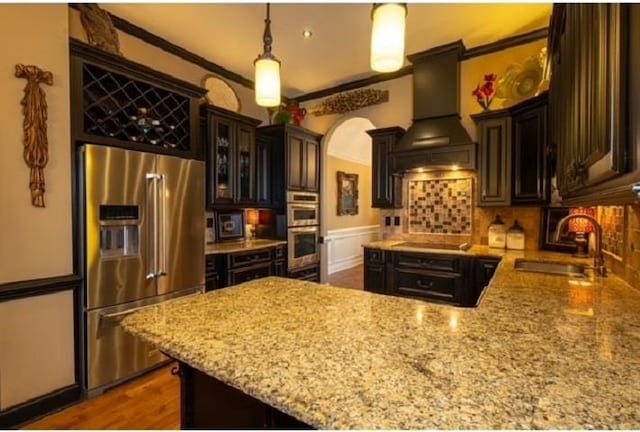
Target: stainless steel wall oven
x=303, y=219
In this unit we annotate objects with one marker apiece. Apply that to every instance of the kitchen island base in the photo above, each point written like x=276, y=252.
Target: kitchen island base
x=208, y=403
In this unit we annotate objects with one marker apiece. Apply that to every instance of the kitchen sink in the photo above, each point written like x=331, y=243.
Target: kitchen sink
x=550, y=267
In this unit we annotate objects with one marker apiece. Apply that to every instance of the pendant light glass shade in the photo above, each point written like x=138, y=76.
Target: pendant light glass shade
x=267, y=74
x=387, y=37
x=267, y=82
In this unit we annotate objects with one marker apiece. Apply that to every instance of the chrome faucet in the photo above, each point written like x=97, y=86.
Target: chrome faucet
x=598, y=257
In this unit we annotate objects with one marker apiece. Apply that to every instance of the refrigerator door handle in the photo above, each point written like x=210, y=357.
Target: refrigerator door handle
x=152, y=231
x=163, y=222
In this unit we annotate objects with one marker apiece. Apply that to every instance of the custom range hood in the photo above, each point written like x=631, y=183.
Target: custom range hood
x=436, y=139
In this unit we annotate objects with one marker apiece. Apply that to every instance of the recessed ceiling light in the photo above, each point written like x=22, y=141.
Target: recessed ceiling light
x=306, y=33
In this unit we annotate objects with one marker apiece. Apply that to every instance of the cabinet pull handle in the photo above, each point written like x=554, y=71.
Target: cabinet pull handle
x=636, y=189
x=423, y=285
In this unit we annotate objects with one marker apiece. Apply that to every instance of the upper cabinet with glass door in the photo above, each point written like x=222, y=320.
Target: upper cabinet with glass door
x=229, y=139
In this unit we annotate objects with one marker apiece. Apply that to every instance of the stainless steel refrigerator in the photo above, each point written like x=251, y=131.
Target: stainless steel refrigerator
x=143, y=228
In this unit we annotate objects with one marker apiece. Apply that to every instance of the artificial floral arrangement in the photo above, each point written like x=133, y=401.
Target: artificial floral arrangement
x=484, y=93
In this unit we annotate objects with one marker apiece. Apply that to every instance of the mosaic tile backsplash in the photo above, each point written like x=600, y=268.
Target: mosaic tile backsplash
x=612, y=221
x=440, y=206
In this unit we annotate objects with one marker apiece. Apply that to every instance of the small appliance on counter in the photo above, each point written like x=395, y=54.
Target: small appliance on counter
x=515, y=237
x=497, y=234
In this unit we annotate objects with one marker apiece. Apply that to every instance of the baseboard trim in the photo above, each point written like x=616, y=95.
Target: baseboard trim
x=33, y=409
x=345, y=264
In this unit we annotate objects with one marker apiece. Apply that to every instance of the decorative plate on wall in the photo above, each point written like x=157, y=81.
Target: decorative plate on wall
x=220, y=93
x=520, y=81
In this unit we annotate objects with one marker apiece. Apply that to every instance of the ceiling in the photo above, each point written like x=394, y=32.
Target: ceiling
x=231, y=34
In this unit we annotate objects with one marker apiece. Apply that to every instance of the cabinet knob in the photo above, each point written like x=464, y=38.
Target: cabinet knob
x=636, y=189
x=421, y=284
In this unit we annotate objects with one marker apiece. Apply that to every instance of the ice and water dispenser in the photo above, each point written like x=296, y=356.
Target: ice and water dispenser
x=119, y=231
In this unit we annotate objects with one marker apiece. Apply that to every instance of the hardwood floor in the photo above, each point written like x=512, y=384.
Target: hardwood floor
x=148, y=402
x=350, y=278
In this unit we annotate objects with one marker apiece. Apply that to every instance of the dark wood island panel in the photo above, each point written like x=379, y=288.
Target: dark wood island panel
x=207, y=403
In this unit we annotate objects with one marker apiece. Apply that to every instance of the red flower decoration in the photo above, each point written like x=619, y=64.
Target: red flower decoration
x=484, y=93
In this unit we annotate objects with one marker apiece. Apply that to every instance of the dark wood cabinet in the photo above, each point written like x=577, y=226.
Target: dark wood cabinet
x=308, y=273
x=295, y=156
x=441, y=278
x=374, y=273
x=594, y=91
x=117, y=102
x=386, y=188
x=438, y=286
x=231, y=158
x=280, y=261
x=226, y=269
x=303, y=168
x=212, y=276
x=530, y=180
x=207, y=403
x=512, y=168
x=263, y=172
x=485, y=267
x=245, y=274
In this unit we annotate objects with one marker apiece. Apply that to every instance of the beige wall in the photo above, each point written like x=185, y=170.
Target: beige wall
x=366, y=215
x=398, y=111
x=36, y=347
x=472, y=73
x=36, y=333
x=34, y=242
x=139, y=51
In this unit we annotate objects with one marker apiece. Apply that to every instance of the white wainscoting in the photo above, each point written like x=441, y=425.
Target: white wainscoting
x=345, y=246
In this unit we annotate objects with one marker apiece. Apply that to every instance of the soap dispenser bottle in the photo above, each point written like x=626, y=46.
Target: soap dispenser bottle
x=515, y=237
x=497, y=234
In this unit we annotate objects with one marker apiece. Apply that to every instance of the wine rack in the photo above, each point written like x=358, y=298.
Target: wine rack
x=117, y=102
x=119, y=107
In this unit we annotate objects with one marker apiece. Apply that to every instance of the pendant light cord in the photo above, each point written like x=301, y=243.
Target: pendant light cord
x=267, y=39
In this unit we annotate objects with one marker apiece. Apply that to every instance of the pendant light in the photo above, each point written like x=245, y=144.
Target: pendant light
x=267, y=76
x=387, y=36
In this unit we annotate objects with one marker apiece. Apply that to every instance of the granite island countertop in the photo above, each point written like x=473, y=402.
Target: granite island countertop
x=539, y=352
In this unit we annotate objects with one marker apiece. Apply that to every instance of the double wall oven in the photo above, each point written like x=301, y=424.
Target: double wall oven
x=303, y=220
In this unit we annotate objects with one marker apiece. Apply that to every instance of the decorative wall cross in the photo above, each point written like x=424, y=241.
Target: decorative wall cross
x=34, y=125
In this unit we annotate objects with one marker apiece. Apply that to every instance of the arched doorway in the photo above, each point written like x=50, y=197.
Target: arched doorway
x=347, y=149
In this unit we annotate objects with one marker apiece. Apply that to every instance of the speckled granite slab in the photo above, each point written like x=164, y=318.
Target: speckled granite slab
x=539, y=352
x=241, y=246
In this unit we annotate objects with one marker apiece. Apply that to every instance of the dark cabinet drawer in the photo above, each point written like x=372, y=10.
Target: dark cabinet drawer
x=374, y=279
x=210, y=263
x=279, y=268
x=279, y=252
x=428, y=262
x=374, y=256
x=433, y=285
x=240, y=259
x=311, y=273
x=250, y=273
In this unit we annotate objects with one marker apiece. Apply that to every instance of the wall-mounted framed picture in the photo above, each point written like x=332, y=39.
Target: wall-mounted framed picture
x=549, y=225
x=230, y=225
x=347, y=194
